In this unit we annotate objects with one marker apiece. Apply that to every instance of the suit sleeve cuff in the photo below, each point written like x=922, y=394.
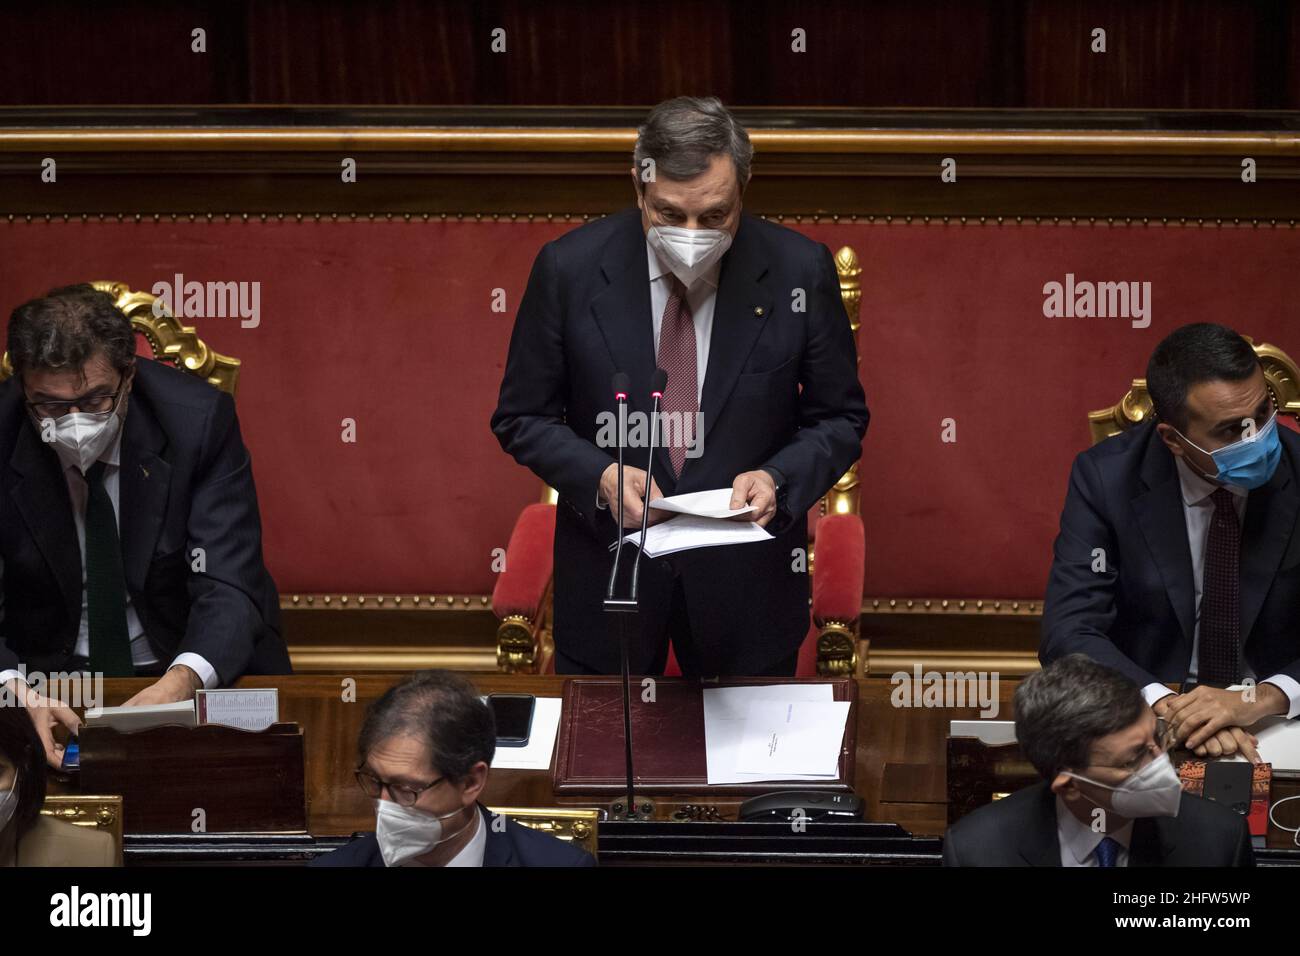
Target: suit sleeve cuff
x=7, y=676
x=1153, y=692
x=207, y=673
x=1291, y=687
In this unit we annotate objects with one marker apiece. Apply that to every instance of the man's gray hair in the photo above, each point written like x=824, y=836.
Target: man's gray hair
x=1063, y=709
x=682, y=135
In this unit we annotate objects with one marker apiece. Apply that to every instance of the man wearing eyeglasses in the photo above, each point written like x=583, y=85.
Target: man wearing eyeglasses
x=1178, y=559
x=423, y=757
x=1109, y=796
x=130, y=541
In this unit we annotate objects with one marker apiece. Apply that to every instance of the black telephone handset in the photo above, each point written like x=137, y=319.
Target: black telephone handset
x=821, y=806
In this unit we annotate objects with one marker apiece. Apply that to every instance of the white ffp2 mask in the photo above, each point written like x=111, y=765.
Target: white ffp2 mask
x=81, y=437
x=688, y=253
x=405, y=833
x=1154, y=791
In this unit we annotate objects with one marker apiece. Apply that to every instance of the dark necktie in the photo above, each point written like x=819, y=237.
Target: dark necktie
x=677, y=357
x=1107, y=852
x=110, y=644
x=1220, y=638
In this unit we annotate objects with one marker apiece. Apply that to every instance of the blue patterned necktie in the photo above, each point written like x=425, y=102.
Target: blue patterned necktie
x=1107, y=852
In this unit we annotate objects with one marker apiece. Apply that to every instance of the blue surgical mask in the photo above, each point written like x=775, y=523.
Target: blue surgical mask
x=1248, y=463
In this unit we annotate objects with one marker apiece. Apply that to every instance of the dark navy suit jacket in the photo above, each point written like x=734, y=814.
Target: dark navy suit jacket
x=515, y=845
x=1020, y=830
x=781, y=390
x=1137, y=615
x=186, y=482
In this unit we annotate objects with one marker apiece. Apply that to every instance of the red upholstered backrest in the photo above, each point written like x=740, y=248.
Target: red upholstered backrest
x=390, y=325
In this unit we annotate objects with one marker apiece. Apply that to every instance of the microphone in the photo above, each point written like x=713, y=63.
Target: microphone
x=658, y=382
x=621, y=385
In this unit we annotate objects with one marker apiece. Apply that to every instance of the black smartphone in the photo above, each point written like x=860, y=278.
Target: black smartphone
x=1228, y=782
x=514, y=718
x=71, y=756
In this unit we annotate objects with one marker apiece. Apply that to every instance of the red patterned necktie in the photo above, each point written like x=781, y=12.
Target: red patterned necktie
x=677, y=358
x=1220, y=637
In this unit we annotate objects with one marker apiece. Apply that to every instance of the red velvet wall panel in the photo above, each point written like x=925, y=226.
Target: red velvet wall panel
x=390, y=324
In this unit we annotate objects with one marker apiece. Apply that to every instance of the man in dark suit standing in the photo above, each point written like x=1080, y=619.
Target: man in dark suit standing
x=1178, y=559
x=746, y=318
x=423, y=757
x=130, y=542
x=1110, y=795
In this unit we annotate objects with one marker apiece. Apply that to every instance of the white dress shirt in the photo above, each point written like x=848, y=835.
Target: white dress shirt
x=1079, y=841
x=1198, y=510
x=471, y=854
x=141, y=653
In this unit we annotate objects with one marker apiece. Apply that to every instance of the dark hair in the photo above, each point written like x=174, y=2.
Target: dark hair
x=1064, y=708
x=444, y=711
x=21, y=746
x=66, y=327
x=683, y=134
x=1200, y=352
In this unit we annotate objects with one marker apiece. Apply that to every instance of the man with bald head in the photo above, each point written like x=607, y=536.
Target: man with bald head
x=1178, y=559
x=762, y=398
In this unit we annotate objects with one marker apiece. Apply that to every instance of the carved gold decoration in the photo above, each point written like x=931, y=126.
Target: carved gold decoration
x=574, y=826
x=837, y=650
x=850, y=273
x=88, y=810
x=1280, y=372
x=170, y=339
x=516, y=648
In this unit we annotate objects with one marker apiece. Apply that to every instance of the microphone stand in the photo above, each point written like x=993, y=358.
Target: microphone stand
x=622, y=607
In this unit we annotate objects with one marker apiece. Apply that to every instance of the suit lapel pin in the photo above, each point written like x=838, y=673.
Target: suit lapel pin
x=758, y=310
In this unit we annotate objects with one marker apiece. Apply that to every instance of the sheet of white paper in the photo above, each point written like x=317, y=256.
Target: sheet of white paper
x=703, y=504
x=786, y=736
x=1279, y=742
x=724, y=727
x=536, y=755
x=688, y=531
x=992, y=732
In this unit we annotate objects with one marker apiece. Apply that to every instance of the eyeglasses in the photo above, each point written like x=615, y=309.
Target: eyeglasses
x=94, y=402
x=402, y=795
x=1164, y=742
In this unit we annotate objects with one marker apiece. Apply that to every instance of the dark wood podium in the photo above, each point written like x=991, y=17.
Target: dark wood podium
x=172, y=779
x=667, y=739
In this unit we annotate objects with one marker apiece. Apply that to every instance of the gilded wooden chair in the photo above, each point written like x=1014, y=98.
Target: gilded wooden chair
x=169, y=339
x=521, y=598
x=571, y=826
x=1280, y=372
x=84, y=810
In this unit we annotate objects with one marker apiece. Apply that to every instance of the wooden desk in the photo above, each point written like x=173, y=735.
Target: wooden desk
x=900, y=770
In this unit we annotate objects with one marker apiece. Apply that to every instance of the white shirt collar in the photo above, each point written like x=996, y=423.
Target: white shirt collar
x=1196, y=489
x=471, y=854
x=1080, y=839
x=657, y=268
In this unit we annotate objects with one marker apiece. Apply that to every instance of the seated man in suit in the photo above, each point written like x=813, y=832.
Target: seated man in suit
x=130, y=543
x=1110, y=795
x=26, y=837
x=423, y=757
x=1178, y=559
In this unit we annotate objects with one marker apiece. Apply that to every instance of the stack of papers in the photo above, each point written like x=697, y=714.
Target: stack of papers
x=536, y=754
x=144, y=717
x=773, y=732
x=704, y=521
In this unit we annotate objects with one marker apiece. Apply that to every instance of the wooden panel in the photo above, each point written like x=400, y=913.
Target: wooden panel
x=331, y=716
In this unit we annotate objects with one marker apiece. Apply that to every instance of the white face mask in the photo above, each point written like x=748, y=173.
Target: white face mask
x=405, y=832
x=8, y=804
x=1154, y=791
x=688, y=253
x=81, y=437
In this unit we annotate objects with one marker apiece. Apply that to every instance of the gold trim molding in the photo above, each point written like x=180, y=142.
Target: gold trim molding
x=784, y=218
x=168, y=139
